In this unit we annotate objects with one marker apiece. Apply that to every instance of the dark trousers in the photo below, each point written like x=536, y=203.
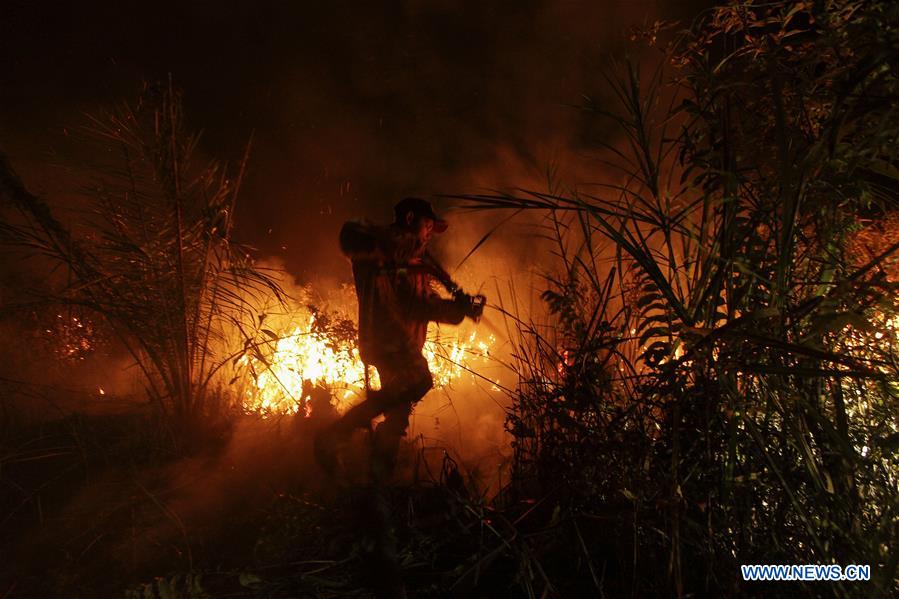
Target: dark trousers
x=405, y=379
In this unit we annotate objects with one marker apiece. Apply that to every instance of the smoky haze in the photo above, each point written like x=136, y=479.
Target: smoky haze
x=351, y=105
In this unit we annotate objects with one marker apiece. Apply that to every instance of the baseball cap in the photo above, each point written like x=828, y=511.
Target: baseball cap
x=418, y=207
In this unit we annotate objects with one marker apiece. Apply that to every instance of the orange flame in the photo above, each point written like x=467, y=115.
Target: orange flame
x=306, y=354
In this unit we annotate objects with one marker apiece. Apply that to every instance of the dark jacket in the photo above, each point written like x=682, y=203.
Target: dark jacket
x=394, y=289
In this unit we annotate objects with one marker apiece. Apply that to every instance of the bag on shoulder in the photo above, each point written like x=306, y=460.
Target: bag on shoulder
x=358, y=239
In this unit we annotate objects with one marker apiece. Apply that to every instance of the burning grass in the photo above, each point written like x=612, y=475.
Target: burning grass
x=307, y=348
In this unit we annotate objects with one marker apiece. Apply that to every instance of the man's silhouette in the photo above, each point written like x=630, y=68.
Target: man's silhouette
x=393, y=276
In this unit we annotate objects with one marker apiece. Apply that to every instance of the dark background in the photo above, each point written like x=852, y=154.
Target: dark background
x=352, y=105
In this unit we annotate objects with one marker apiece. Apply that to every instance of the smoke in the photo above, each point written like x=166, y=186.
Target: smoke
x=351, y=106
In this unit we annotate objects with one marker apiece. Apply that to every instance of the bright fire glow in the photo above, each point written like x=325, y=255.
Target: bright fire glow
x=303, y=353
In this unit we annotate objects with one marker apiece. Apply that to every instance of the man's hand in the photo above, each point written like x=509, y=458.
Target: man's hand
x=472, y=305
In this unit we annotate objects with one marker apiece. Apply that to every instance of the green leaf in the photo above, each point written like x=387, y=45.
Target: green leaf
x=653, y=332
x=648, y=299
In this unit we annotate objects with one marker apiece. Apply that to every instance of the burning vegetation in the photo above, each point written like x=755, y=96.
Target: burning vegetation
x=711, y=378
x=311, y=348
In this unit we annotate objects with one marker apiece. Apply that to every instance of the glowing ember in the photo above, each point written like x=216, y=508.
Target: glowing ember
x=72, y=337
x=309, y=354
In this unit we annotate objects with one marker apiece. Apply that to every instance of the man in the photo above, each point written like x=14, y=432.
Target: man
x=393, y=275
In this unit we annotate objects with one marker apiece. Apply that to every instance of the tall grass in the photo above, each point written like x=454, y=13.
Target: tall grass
x=158, y=261
x=722, y=387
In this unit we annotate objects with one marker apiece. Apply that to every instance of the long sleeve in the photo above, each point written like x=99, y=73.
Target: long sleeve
x=396, y=301
x=437, y=309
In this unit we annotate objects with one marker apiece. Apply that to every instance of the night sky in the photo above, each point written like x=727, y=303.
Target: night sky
x=353, y=104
